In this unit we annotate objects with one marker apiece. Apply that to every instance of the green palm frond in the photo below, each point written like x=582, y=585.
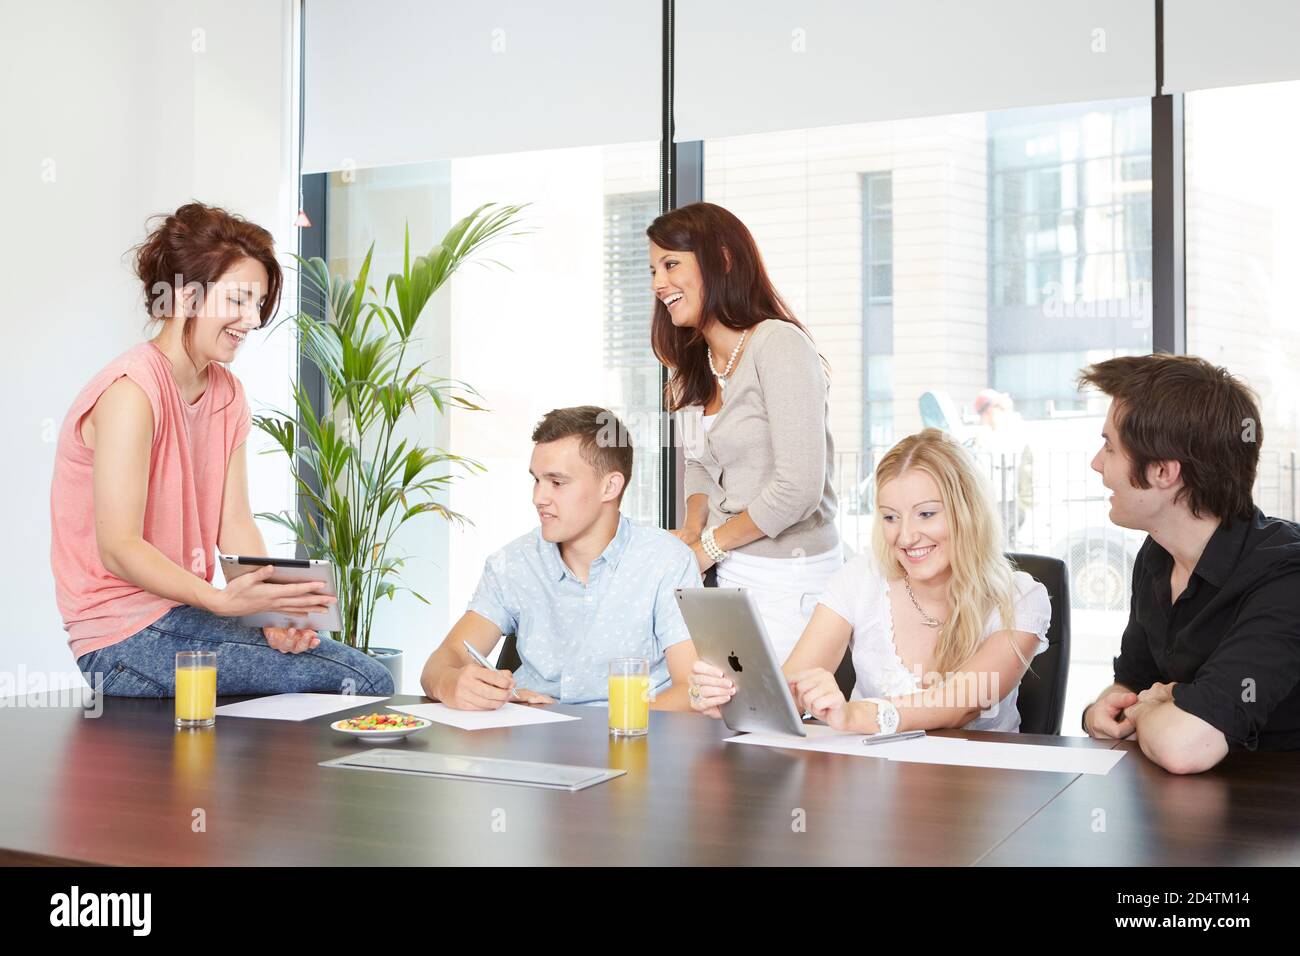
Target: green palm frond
x=359, y=479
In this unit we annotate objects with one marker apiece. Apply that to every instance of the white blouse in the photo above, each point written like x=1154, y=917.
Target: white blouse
x=859, y=593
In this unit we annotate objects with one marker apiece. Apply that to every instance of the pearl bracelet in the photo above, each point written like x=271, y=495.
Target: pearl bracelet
x=711, y=547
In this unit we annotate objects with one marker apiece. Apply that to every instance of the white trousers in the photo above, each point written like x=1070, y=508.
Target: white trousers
x=785, y=589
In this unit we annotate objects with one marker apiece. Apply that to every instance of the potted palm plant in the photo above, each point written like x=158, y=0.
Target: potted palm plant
x=358, y=478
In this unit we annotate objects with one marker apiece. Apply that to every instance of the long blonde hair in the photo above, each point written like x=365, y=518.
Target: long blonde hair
x=981, y=574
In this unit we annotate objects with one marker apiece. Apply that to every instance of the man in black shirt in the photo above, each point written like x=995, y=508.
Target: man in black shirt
x=1210, y=659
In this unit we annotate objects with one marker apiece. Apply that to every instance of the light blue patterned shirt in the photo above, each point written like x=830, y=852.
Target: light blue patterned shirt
x=567, y=632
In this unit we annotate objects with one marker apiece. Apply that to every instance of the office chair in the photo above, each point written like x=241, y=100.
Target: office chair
x=509, y=658
x=1042, y=689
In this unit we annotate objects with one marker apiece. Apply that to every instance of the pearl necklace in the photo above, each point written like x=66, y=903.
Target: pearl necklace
x=721, y=376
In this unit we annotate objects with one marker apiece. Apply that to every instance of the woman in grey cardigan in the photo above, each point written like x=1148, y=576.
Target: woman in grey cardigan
x=750, y=394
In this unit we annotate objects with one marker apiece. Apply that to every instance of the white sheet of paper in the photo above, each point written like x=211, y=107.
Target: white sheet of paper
x=953, y=751
x=293, y=706
x=509, y=715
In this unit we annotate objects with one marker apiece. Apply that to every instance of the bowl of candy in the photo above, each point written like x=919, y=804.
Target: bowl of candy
x=381, y=728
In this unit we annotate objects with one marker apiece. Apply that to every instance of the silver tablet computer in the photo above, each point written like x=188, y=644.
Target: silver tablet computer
x=287, y=571
x=728, y=632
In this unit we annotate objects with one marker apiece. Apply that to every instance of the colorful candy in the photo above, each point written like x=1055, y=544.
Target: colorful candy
x=388, y=722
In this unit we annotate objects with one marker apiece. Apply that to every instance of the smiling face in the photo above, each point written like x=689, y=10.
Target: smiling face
x=227, y=312
x=677, y=282
x=915, y=525
x=568, y=493
x=1130, y=507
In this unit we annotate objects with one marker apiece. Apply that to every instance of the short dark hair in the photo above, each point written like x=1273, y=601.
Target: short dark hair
x=1182, y=408
x=198, y=244
x=605, y=442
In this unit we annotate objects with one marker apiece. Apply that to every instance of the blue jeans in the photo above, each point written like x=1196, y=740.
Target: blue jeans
x=144, y=665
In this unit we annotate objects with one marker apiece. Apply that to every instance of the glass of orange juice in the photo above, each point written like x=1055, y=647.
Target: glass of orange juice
x=629, y=697
x=196, y=688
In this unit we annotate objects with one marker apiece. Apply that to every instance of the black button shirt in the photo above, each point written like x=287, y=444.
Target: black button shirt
x=1231, y=640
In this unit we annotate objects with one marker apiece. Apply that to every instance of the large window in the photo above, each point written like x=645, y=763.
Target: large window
x=1070, y=195
x=564, y=319
x=957, y=272
x=878, y=237
x=937, y=259
x=1243, y=244
x=877, y=329
x=629, y=303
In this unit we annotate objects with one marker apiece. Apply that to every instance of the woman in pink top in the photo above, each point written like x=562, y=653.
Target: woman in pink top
x=150, y=479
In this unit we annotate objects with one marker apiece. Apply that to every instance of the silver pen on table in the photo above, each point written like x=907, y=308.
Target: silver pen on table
x=890, y=738
x=480, y=659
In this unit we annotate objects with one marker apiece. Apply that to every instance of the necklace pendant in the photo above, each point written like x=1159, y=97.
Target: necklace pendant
x=926, y=619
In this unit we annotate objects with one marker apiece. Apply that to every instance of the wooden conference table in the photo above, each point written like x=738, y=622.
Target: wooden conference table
x=125, y=788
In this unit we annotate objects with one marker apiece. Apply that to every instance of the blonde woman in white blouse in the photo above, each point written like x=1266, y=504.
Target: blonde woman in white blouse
x=941, y=627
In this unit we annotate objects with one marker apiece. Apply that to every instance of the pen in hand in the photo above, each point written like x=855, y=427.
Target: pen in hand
x=483, y=661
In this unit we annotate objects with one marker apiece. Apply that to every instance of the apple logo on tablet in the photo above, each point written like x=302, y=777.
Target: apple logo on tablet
x=734, y=661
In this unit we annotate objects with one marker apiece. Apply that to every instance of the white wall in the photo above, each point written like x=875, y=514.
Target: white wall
x=113, y=112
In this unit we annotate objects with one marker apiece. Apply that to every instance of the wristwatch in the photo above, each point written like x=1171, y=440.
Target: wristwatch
x=1084, y=719
x=886, y=715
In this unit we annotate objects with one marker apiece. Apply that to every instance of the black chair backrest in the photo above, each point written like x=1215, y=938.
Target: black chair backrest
x=508, y=659
x=1042, y=689
x=845, y=675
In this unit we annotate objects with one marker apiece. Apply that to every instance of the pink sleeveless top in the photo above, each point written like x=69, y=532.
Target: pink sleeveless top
x=192, y=446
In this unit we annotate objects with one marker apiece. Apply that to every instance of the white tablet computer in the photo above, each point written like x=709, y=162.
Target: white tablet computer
x=287, y=571
x=728, y=632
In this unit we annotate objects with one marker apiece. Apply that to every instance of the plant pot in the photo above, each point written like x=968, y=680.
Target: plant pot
x=391, y=658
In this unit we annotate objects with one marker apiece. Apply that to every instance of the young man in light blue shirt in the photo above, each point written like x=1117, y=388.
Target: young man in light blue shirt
x=584, y=588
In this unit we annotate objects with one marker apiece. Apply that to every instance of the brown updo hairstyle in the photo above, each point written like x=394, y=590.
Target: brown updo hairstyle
x=195, y=246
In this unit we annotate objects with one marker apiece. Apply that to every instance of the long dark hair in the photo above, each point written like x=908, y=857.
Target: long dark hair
x=737, y=293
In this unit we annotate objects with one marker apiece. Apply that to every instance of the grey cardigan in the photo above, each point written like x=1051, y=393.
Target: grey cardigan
x=769, y=450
